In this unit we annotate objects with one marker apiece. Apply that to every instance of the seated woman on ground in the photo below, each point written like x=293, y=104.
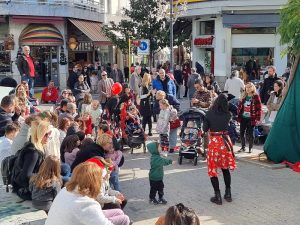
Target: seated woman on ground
x=46, y=184
x=76, y=204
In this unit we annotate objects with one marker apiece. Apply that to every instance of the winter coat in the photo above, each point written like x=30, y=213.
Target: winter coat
x=27, y=164
x=173, y=101
x=102, y=89
x=145, y=107
x=81, y=89
x=157, y=162
x=117, y=76
x=22, y=65
x=168, y=85
x=190, y=84
x=135, y=82
x=6, y=118
x=42, y=198
x=163, y=122
x=72, y=79
x=178, y=77
x=86, y=153
x=255, y=110
x=266, y=89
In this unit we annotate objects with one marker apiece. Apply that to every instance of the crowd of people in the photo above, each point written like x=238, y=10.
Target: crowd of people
x=67, y=161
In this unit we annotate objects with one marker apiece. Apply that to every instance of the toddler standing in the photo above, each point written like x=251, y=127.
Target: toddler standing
x=94, y=82
x=163, y=124
x=156, y=174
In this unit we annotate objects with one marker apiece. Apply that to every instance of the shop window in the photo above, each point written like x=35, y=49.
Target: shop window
x=5, y=61
x=254, y=30
x=207, y=27
x=263, y=57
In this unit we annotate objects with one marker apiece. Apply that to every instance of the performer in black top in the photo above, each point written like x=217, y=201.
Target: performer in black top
x=220, y=150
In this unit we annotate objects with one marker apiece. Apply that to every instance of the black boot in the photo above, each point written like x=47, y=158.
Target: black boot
x=250, y=150
x=217, y=199
x=227, y=195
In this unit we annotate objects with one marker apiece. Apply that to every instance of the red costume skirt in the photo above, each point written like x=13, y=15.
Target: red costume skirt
x=219, y=153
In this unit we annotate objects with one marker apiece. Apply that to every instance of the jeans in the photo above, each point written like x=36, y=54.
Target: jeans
x=173, y=138
x=114, y=180
x=178, y=91
x=30, y=82
x=246, y=128
x=116, y=216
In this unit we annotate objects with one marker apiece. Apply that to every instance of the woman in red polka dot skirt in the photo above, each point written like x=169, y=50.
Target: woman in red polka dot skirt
x=220, y=150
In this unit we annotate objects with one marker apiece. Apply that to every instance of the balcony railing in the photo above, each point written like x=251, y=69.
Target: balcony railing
x=90, y=5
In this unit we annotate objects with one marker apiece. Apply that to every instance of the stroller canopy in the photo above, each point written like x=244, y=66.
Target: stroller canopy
x=192, y=114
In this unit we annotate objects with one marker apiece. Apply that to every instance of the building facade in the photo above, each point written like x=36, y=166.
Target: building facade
x=227, y=33
x=59, y=33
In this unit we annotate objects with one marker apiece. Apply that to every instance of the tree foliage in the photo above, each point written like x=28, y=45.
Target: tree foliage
x=290, y=26
x=144, y=22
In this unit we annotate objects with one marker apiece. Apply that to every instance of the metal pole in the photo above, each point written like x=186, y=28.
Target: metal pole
x=129, y=50
x=171, y=37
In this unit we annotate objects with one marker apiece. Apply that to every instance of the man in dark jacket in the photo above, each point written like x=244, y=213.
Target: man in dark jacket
x=178, y=80
x=8, y=112
x=117, y=75
x=268, y=84
x=73, y=78
x=26, y=68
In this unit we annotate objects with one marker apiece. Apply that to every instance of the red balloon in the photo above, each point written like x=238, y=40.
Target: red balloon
x=116, y=88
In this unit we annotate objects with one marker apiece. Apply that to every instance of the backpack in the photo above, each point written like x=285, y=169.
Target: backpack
x=7, y=166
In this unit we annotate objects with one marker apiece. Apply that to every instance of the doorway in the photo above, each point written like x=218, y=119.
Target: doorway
x=46, y=64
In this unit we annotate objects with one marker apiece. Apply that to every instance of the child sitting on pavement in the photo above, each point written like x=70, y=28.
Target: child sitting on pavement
x=156, y=174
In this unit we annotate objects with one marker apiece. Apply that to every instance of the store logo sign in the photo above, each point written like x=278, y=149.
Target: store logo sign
x=204, y=41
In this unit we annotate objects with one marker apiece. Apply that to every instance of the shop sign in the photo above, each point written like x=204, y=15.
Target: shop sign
x=204, y=42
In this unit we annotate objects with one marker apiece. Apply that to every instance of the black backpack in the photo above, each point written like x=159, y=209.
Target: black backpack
x=7, y=166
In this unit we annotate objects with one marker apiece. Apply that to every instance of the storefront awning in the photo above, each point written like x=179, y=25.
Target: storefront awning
x=41, y=34
x=92, y=30
x=247, y=21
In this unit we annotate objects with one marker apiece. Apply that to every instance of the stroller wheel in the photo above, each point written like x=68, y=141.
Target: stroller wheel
x=195, y=161
x=144, y=148
x=131, y=150
x=180, y=160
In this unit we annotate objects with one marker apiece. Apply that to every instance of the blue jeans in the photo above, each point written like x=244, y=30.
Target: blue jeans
x=114, y=181
x=30, y=82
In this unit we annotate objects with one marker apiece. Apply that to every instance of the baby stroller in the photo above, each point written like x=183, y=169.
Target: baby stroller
x=129, y=136
x=191, y=134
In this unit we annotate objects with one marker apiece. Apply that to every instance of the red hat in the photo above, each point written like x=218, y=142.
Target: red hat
x=109, y=132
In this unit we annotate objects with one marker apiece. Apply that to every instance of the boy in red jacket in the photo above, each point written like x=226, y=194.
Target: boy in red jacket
x=50, y=93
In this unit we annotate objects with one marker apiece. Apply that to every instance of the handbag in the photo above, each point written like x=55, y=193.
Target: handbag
x=175, y=124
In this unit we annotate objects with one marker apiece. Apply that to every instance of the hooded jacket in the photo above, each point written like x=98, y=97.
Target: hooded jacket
x=157, y=162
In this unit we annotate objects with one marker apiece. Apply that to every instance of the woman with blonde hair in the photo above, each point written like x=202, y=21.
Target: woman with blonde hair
x=46, y=184
x=76, y=204
x=145, y=107
x=30, y=158
x=53, y=145
x=249, y=114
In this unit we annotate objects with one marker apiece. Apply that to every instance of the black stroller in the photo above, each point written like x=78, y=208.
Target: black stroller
x=191, y=134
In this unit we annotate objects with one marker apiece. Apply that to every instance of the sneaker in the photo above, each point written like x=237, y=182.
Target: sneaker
x=153, y=201
x=242, y=149
x=162, y=201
